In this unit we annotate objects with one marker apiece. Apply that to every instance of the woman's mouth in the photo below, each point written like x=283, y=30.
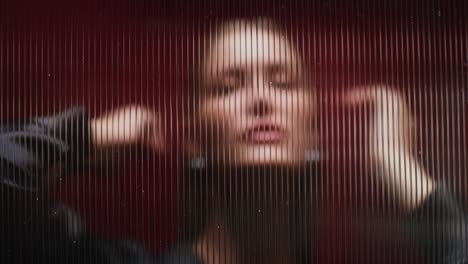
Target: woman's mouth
x=264, y=134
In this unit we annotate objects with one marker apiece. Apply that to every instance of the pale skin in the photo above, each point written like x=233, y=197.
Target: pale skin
x=247, y=88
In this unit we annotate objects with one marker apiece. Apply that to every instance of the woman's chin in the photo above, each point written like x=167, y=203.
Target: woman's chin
x=268, y=158
x=262, y=156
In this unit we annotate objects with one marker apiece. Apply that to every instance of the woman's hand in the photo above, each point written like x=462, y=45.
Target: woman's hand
x=129, y=125
x=390, y=144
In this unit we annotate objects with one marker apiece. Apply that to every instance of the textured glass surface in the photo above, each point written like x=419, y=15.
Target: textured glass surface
x=207, y=131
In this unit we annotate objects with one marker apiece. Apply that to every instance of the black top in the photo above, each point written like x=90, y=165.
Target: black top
x=33, y=230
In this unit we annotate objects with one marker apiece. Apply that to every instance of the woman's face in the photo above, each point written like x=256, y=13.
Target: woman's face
x=255, y=107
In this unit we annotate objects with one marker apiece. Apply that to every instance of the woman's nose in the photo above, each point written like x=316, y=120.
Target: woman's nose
x=261, y=103
x=260, y=107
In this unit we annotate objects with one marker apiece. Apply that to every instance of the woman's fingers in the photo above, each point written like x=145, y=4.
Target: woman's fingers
x=129, y=125
x=382, y=123
x=391, y=117
x=359, y=96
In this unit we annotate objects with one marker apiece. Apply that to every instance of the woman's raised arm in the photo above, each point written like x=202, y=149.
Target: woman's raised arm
x=29, y=149
x=435, y=220
x=61, y=144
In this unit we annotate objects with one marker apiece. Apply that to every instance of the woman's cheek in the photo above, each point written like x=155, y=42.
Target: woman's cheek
x=218, y=125
x=302, y=115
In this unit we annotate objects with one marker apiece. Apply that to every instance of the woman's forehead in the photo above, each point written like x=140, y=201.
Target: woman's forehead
x=249, y=46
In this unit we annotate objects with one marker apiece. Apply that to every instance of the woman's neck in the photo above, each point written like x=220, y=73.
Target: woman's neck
x=261, y=218
x=249, y=235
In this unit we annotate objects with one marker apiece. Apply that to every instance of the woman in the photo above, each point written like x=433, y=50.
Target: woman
x=251, y=147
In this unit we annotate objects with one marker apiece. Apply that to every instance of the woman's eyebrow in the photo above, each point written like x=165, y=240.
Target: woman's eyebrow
x=277, y=68
x=239, y=71
x=233, y=72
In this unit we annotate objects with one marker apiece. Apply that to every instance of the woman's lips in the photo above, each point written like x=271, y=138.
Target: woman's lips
x=264, y=134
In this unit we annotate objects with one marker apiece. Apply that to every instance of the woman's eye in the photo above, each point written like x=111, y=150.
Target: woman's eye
x=230, y=82
x=281, y=84
x=225, y=89
x=280, y=78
